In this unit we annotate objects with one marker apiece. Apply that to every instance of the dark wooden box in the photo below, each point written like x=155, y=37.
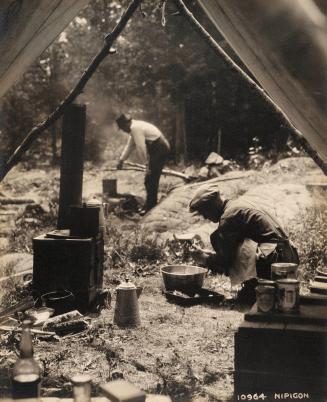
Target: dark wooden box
x=275, y=354
x=75, y=264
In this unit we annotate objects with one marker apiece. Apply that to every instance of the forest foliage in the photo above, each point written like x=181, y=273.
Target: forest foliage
x=161, y=63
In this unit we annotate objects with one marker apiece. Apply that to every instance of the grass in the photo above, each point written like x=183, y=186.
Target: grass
x=309, y=234
x=11, y=292
x=133, y=245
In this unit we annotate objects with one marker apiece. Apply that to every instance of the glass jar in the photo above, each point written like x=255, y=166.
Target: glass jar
x=265, y=298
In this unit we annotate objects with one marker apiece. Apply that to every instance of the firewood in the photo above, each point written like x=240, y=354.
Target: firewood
x=168, y=172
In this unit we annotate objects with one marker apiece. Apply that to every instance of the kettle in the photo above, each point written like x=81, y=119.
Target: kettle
x=127, y=308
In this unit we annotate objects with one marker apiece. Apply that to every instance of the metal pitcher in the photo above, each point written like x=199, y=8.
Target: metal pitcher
x=127, y=308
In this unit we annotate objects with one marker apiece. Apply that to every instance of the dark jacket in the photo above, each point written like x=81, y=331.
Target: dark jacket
x=240, y=220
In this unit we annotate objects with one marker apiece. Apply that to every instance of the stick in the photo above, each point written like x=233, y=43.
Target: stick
x=17, y=274
x=117, y=170
x=104, y=52
x=33, y=331
x=251, y=84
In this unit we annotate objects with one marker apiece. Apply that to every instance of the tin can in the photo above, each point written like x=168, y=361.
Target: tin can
x=288, y=295
x=109, y=187
x=266, y=298
x=283, y=270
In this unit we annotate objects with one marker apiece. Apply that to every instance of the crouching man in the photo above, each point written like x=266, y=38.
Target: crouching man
x=247, y=241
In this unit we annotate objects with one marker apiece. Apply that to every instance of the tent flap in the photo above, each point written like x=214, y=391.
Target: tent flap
x=284, y=45
x=27, y=28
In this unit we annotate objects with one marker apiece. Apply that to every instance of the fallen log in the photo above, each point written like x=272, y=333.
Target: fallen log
x=236, y=176
x=15, y=201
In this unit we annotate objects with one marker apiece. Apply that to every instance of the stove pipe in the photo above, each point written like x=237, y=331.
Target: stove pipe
x=72, y=159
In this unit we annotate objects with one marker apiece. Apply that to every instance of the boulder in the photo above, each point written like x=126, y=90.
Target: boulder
x=214, y=159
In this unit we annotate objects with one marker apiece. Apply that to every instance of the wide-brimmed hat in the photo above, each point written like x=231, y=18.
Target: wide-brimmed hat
x=123, y=119
x=204, y=195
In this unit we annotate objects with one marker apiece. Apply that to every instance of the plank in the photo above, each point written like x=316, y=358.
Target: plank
x=318, y=287
x=308, y=315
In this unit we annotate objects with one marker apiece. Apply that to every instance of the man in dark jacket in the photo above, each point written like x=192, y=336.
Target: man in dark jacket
x=152, y=148
x=241, y=221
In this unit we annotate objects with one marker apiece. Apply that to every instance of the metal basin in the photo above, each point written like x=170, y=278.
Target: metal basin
x=183, y=277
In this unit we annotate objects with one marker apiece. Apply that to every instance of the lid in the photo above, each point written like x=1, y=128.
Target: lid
x=283, y=266
x=126, y=286
x=265, y=288
x=93, y=202
x=58, y=234
x=81, y=379
x=266, y=282
x=27, y=323
x=121, y=390
x=288, y=281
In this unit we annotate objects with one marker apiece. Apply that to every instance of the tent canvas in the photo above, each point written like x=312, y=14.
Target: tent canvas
x=284, y=45
x=27, y=27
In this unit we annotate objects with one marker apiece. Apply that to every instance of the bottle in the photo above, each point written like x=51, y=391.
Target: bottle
x=81, y=387
x=26, y=371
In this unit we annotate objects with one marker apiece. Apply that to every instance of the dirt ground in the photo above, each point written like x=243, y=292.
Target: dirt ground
x=186, y=352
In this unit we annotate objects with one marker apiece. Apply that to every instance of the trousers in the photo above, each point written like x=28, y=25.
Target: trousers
x=158, y=152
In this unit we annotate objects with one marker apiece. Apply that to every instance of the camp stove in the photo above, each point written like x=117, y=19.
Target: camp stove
x=64, y=262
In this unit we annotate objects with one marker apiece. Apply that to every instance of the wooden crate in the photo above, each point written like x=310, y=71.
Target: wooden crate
x=279, y=353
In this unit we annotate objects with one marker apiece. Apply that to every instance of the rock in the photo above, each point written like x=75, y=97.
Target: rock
x=191, y=171
x=7, y=231
x=157, y=398
x=214, y=159
x=214, y=171
x=282, y=199
x=34, y=209
x=203, y=173
x=33, y=221
x=4, y=244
